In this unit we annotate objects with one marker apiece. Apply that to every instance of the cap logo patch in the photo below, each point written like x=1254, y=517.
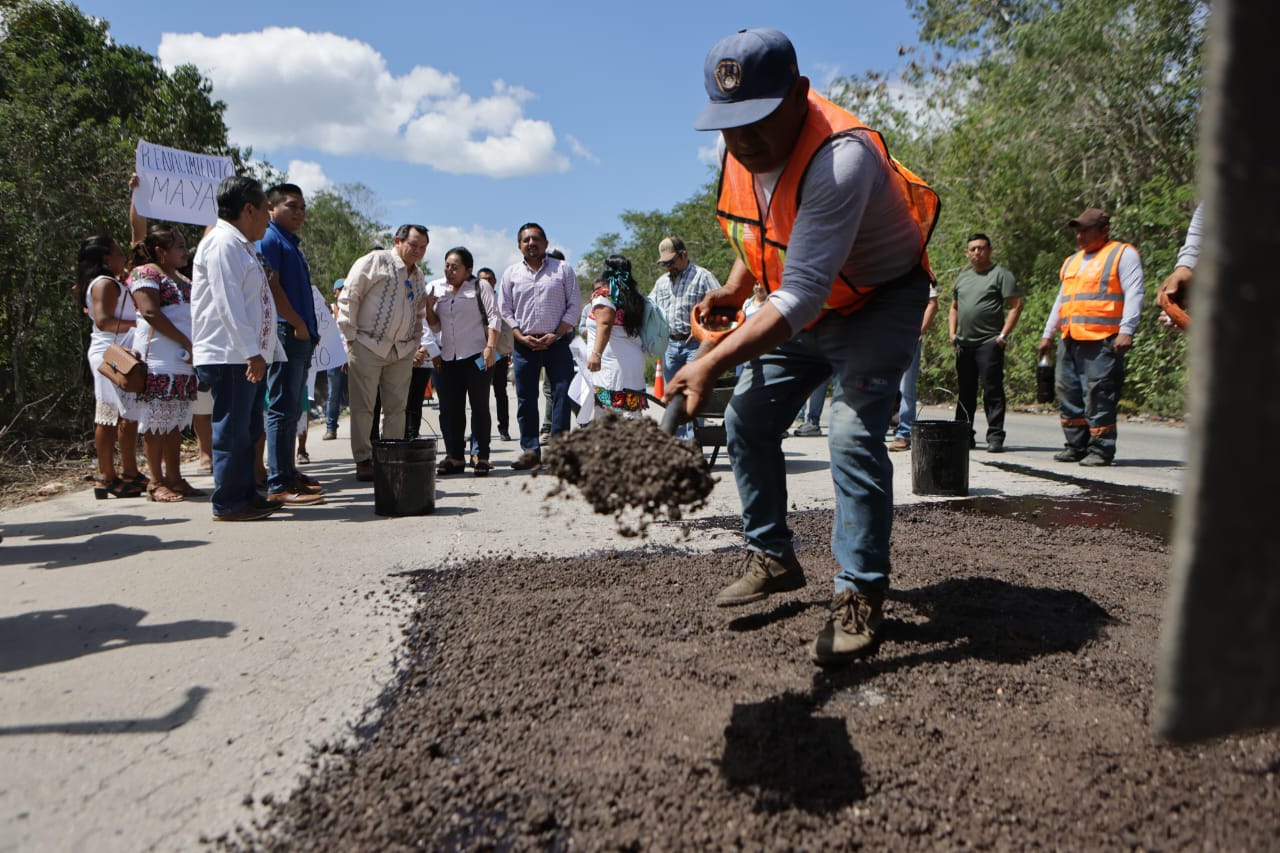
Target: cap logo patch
x=728, y=76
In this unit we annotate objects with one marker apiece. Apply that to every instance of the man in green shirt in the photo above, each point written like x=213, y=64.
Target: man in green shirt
x=980, y=329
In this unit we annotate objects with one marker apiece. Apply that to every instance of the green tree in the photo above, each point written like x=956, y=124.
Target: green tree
x=693, y=219
x=73, y=105
x=1023, y=113
x=341, y=226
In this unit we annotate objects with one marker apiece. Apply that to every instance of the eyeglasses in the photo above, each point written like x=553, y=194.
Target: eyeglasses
x=408, y=284
x=667, y=264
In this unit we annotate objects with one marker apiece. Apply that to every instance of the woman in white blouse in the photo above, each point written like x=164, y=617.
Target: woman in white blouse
x=99, y=270
x=616, y=354
x=463, y=314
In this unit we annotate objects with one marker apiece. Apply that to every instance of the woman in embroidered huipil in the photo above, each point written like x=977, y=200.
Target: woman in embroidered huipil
x=616, y=360
x=163, y=336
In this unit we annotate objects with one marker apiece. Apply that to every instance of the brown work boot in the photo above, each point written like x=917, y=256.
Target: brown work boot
x=364, y=471
x=762, y=576
x=851, y=630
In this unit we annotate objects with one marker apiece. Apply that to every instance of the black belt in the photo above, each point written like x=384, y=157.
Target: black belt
x=680, y=338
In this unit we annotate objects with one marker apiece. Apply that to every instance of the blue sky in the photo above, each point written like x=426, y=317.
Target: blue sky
x=473, y=117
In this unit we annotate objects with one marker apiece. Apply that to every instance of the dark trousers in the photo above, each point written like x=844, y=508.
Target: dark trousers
x=457, y=383
x=237, y=426
x=982, y=363
x=413, y=406
x=528, y=363
x=1090, y=379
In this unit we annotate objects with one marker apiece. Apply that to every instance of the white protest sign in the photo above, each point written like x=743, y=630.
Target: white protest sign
x=329, y=352
x=178, y=186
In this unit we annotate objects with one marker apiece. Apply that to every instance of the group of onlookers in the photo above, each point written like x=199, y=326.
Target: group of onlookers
x=239, y=323
x=236, y=325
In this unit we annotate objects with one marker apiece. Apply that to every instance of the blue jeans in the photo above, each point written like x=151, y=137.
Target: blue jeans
x=528, y=364
x=678, y=354
x=812, y=410
x=286, y=396
x=1090, y=379
x=337, y=397
x=907, y=409
x=866, y=351
x=237, y=426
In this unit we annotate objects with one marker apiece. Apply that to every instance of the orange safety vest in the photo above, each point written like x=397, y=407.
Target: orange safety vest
x=760, y=238
x=1092, y=296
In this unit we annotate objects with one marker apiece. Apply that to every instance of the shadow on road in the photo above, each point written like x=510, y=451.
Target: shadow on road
x=100, y=549
x=84, y=526
x=50, y=636
x=788, y=758
x=179, y=716
x=966, y=618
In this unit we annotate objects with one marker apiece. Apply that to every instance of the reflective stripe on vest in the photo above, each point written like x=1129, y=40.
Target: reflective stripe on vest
x=1092, y=296
x=760, y=238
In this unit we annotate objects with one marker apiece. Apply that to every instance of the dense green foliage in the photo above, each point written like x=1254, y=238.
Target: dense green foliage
x=340, y=228
x=693, y=220
x=1021, y=113
x=73, y=105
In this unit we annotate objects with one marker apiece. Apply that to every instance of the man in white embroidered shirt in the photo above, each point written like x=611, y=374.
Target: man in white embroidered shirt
x=233, y=339
x=380, y=315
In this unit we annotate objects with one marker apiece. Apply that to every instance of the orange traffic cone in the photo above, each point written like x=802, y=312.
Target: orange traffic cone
x=659, y=384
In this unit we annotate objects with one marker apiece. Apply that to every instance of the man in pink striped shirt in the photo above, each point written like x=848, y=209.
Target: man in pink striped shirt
x=539, y=299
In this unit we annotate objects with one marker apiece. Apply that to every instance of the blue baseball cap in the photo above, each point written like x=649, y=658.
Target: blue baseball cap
x=746, y=76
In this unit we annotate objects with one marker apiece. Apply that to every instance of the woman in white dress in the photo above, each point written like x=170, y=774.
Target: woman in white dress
x=163, y=336
x=616, y=354
x=99, y=269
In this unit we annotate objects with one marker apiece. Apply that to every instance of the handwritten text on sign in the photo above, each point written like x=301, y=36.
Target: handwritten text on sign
x=329, y=352
x=178, y=186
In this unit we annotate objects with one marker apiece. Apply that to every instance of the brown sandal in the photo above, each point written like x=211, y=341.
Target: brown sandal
x=189, y=491
x=448, y=466
x=163, y=494
x=482, y=467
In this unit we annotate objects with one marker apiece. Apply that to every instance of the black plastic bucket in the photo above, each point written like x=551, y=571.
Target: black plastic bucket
x=940, y=457
x=404, y=476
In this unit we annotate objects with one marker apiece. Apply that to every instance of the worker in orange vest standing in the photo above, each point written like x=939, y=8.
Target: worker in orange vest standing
x=835, y=229
x=1097, y=310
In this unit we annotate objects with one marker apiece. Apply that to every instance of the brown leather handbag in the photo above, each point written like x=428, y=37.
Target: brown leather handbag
x=124, y=369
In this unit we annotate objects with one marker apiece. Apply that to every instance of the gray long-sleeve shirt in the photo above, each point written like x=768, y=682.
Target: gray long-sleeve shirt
x=1189, y=254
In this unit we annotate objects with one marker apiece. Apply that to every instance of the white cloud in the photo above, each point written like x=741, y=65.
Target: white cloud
x=491, y=248
x=309, y=176
x=288, y=88
x=710, y=153
x=576, y=146
x=823, y=75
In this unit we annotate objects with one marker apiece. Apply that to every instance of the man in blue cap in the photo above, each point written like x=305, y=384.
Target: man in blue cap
x=835, y=229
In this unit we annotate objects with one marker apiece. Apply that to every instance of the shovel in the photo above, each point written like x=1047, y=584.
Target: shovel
x=709, y=332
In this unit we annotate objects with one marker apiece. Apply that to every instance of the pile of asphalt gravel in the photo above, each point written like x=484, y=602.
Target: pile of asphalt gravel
x=630, y=469
x=604, y=703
